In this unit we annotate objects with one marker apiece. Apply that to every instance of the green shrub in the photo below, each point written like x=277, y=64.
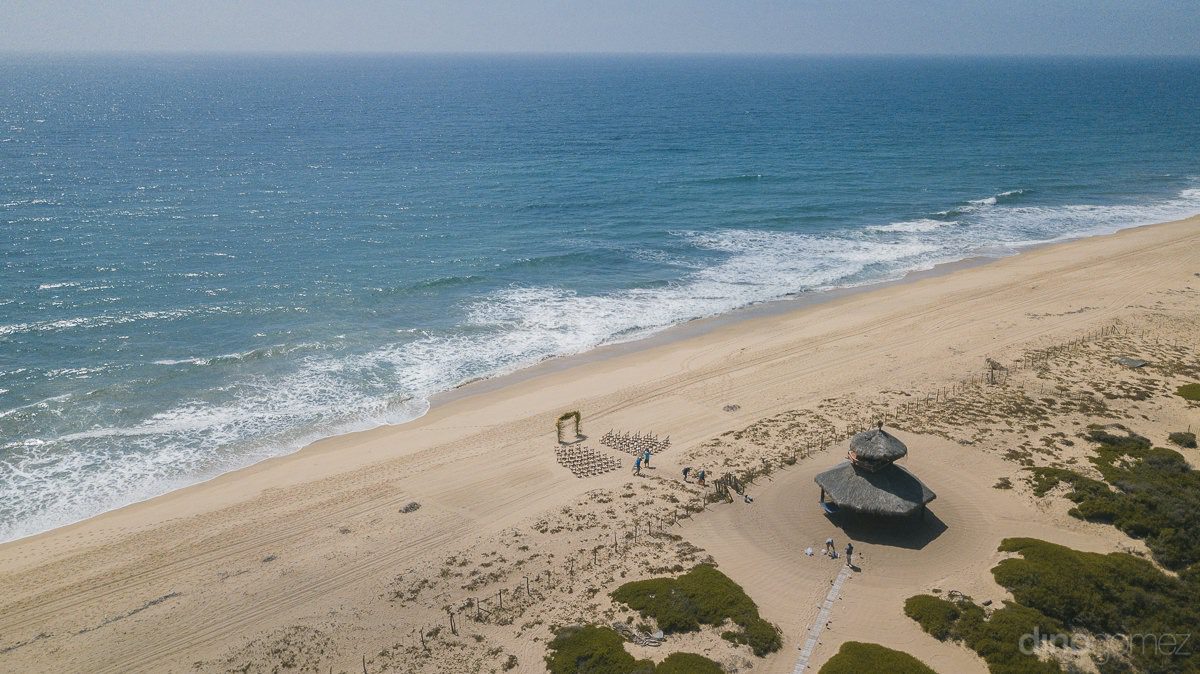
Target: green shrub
x=1183, y=439
x=855, y=657
x=934, y=614
x=702, y=596
x=996, y=638
x=688, y=663
x=589, y=649
x=594, y=650
x=1115, y=593
x=662, y=598
x=1148, y=493
x=1189, y=391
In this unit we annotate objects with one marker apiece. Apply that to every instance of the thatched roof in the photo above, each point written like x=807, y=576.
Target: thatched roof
x=877, y=445
x=891, y=490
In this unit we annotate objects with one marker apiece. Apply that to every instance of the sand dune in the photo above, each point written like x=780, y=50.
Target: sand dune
x=311, y=560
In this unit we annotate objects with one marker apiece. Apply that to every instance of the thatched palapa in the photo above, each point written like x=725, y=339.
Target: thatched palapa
x=870, y=482
x=891, y=490
x=877, y=445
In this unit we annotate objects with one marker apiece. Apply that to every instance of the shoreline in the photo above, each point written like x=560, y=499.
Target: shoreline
x=697, y=327
x=340, y=552
x=659, y=339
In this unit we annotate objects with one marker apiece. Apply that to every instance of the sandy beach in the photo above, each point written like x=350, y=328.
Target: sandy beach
x=320, y=560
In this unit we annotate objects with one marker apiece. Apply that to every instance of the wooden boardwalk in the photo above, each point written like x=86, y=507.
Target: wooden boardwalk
x=814, y=632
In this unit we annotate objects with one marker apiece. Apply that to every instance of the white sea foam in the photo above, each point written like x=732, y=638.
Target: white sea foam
x=105, y=320
x=50, y=481
x=975, y=204
x=910, y=226
x=1027, y=225
x=236, y=357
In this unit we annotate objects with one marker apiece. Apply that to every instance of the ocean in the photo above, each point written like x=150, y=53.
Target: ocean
x=208, y=261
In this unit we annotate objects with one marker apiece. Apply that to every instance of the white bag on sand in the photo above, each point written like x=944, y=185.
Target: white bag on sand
x=808, y=551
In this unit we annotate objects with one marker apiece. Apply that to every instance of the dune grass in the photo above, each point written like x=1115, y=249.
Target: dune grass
x=1185, y=439
x=592, y=649
x=856, y=657
x=1189, y=392
x=1114, y=594
x=1150, y=493
x=1061, y=591
x=702, y=596
x=996, y=638
x=688, y=663
x=599, y=650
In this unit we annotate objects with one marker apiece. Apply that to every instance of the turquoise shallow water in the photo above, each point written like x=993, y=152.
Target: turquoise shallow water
x=209, y=261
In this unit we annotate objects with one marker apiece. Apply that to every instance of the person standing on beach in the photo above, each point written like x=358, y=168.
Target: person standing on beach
x=700, y=477
x=637, y=466
x=686, y=470
x=849, y=554
x=646, y=458
x=832, y=551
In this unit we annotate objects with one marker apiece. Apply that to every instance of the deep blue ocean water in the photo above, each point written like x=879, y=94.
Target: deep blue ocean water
x=207, y=261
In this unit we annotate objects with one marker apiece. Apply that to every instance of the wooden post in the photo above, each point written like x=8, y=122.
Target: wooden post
x=500, y=594
x=453, y=627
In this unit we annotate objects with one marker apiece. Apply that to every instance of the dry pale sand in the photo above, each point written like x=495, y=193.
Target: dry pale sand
x=310, y=562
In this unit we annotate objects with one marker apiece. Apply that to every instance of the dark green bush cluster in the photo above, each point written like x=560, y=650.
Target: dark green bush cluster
x=592, y=649
x=1183, y=439
x=688, y=663
x=935, y=615
x=1115, y=594
x=996, y=638
x=589, y=649
x=1189, y=392
x=856, y=657
x=1058, y=591
x=702, y=596
x=1149, y=493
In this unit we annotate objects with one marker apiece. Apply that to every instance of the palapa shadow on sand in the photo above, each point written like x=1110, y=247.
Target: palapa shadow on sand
x=913, y=533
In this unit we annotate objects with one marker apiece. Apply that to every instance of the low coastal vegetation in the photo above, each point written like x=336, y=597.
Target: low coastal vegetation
x=688, y=663
x=702, y=596
x=855, y=657
x=1061, y=596
x=1114, y=594
x=592, y=649
x=1185, y=439
x=1150, y=493
x=996, y=637
x=1189, y=392
x=600, y=650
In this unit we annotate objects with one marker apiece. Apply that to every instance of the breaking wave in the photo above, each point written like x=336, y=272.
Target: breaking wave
x=293, y=394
